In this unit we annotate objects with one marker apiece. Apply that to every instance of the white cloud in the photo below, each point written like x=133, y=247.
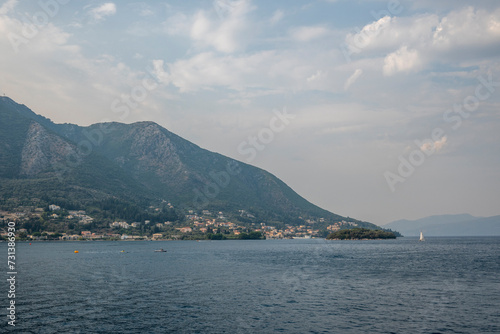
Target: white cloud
x=468, y=27
x=439, y=144
x=8, y=6
x=265, y=70
x=418, y=41
x=176, y=24
x=277, y=16
x=160, y=73
x=434, y=146
x=104, y=10
x=305, y=34
x=18, y=35
x=352, y=79
x=235, y=67
x=316, y=76
x=51, y=65
x=403, y=60
x=368, y=36
x=226, y=34
x=206, y=71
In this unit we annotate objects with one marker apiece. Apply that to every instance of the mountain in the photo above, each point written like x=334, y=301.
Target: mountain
x=135, y=166
x=448, y=225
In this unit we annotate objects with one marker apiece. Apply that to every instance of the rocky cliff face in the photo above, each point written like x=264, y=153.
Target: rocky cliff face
x=153, y=151
x=42, y=150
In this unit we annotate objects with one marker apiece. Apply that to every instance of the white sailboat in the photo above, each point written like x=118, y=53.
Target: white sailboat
x=421, y=236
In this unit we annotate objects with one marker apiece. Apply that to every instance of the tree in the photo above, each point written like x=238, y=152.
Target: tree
x=254, y=235
x=361, y=233
x=217, y=236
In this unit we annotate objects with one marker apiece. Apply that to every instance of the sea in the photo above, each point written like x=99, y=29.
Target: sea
x=442, y=285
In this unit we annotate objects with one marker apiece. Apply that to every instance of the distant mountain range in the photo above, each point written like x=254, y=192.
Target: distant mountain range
x=135, y=165
x=448, y=225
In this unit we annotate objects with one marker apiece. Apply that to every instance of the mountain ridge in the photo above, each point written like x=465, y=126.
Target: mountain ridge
x=448, y=225
x=139, y=163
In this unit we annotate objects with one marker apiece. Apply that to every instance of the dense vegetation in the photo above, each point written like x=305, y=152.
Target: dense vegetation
x=255, y=235
x=360, y=233
x=251, y=235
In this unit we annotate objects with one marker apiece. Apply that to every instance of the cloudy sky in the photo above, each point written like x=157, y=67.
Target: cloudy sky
x=378, y=110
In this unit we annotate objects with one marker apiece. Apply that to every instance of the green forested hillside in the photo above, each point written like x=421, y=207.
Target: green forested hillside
x=135, y=165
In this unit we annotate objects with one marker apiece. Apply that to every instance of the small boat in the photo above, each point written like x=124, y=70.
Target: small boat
x=304, y=237
x=421, y=236
x=161, y=250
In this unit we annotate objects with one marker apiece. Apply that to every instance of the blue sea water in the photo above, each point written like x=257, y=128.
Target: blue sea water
x=442, y=285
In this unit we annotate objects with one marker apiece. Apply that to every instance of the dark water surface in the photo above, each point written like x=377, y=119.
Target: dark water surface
x=443, y=285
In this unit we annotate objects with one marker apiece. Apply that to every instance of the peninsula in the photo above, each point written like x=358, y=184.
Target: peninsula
x=360, y=234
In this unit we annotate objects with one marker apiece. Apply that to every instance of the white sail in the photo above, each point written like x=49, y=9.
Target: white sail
x=421, y=236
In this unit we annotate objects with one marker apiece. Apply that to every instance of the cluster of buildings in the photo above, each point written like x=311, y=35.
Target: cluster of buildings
x=127, y=226
x=194, y=224
x=81, y=216
x=77, y=215
x=339, y=225
x=216, y=222
x=26, y=213
x=84, y=235
x=302, y=231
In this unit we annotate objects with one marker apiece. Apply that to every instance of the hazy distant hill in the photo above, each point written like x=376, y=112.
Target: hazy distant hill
x=134, y=164
x=448, y=225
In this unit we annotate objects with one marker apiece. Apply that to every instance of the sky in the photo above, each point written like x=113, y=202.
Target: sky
x=377, y=110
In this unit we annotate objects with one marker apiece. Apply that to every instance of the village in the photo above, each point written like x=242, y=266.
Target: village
x=202, y=225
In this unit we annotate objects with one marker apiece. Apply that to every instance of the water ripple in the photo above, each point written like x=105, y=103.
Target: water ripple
x=306, y=286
